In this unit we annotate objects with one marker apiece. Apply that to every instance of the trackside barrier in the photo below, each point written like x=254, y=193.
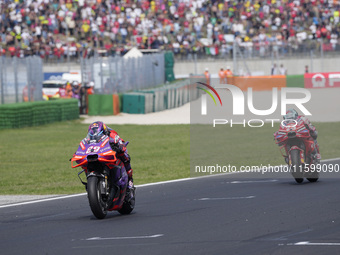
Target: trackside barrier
x=37, y=113
x=100, y=104
x=159, y=99
x=116, y=104
x=322, y=80
x=137, y=103
x=258, y=83
x=296, y=81
x=184, y=91
x=146, y=101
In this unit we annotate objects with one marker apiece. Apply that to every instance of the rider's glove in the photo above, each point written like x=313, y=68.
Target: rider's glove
x=115, y=147
x=314, y=134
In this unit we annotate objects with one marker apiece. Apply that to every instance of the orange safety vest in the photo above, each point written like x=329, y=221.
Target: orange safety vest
x=207, y=77
x=228, y=73
x=222, y=77
x=25, y=93
x=69, y=91
x=90, y=91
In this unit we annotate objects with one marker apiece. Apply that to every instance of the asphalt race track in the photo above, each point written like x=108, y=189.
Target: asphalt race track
x=226, y=214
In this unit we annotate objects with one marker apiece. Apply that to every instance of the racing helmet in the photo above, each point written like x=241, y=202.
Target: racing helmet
x=97, y=130
x=291, y=114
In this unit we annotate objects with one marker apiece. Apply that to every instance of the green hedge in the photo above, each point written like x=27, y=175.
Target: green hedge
x=37, y=113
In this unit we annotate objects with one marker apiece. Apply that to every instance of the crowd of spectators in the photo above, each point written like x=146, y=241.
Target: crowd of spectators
x=60, y=29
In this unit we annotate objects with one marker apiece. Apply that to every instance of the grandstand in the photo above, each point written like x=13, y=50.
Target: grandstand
x=69, y=29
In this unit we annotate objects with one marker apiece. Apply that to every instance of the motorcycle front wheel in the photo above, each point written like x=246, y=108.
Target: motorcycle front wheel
x=97, y=205
x=296, y=166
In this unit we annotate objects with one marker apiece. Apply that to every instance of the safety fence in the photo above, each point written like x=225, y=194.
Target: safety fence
x=37, y=113
x=20, y=79
x=120, y=74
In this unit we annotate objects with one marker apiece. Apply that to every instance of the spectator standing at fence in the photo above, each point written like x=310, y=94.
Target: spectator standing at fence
x=76, y=89
x=25, y=95
x=221, y=74
x=62, y=91
x=76, y=93
x=207, y=76
x=89, y=91
x=282, y=70
x=306, y=69
x=274, y=70
x=69, y=90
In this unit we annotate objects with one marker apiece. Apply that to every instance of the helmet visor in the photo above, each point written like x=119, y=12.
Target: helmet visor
x=290, y=116
x=95, y=132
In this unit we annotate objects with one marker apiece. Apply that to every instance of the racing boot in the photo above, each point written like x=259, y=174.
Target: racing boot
x=130, y=179
x=286, y=160
x=130, y=190
x=316, y=152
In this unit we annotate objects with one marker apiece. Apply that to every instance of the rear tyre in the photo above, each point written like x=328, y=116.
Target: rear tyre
x=313, y=179
x=97, y=205
x=297, y=170
x=313, y=176
x=129, y=202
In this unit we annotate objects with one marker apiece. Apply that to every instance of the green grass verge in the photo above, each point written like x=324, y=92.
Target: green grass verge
x=35, y=160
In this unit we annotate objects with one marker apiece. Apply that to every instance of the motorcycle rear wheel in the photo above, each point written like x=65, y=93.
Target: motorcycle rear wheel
x=313, y=177
x=129, y=203
x=97, y=205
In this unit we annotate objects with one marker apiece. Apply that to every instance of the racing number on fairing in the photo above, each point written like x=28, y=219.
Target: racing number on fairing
x=92, y=149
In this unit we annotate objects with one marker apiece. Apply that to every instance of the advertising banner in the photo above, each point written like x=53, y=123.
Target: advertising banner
x=322, y=80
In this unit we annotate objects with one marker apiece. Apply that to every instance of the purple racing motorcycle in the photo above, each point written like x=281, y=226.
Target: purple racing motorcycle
x=107, y=180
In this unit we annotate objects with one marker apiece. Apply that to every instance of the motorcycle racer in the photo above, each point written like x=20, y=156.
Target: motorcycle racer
x=293, y=115
x=98, y=129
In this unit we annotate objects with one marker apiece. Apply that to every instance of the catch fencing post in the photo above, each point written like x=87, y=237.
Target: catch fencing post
x=2, y=80
x=15, y=68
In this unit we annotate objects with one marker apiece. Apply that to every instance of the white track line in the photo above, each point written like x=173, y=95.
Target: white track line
x=138, y=186
x=122, y=237
x=331, y=159
x=42, y=200
x=83, y=194
x=238, y=182
x=224, y=198
x=314, y=244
